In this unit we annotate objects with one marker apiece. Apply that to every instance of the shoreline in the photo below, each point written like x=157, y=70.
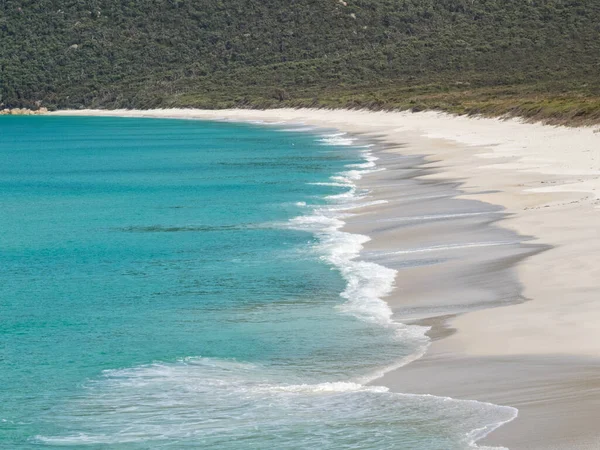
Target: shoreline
x=548, y=181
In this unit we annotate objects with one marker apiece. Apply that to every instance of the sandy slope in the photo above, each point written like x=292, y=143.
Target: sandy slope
x=543, y=355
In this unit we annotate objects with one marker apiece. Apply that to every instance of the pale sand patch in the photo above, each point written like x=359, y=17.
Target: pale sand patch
x=548, y=179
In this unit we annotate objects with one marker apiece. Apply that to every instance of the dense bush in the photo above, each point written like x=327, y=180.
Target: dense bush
x=214, y=53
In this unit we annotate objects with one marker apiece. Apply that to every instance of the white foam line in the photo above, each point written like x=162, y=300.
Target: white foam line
x=337, y=139
x=337, y=184
x=339, y=386
x=338, y=134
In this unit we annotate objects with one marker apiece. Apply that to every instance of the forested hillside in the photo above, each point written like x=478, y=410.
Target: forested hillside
x=530, y=57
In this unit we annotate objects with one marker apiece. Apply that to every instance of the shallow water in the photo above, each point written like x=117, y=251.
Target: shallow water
x=171, y=283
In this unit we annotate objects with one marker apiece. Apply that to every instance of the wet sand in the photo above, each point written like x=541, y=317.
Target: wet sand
x=453, y=257
x=493, y=228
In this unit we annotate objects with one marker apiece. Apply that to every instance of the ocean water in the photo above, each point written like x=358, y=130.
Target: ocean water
x=186, y=284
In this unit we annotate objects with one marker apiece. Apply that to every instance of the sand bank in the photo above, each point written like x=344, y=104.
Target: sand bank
x=536, y=347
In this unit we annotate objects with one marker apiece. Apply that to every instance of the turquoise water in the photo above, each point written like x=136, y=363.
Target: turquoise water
x=185, y=284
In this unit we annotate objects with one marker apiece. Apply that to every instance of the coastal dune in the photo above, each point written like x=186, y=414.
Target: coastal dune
x=525, y=213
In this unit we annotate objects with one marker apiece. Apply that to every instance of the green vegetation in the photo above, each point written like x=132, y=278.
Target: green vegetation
x=536, y=58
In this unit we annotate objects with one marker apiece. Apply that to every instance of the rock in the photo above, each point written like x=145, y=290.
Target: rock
x=23, y=112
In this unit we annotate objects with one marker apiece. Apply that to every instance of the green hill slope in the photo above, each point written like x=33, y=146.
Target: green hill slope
x=530, y=57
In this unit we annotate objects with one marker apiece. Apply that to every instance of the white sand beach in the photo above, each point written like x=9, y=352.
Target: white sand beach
x=540, y=353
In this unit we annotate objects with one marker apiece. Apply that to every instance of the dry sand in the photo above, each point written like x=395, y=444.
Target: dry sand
x=541, y=355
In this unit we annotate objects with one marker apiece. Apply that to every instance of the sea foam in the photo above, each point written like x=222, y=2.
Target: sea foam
x=367, y=282
x=216, y=402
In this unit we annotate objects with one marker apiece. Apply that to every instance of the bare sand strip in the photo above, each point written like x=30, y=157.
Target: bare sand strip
x=541, y=355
